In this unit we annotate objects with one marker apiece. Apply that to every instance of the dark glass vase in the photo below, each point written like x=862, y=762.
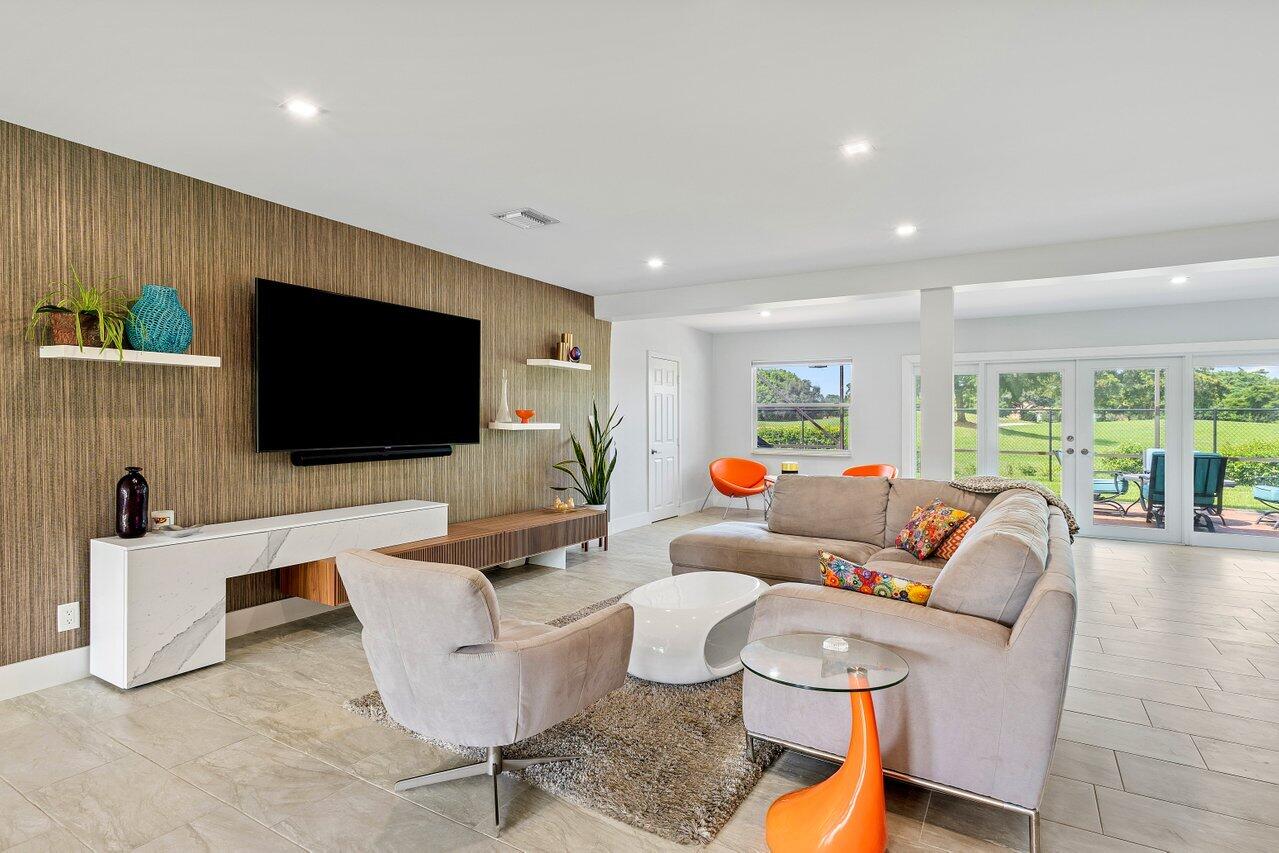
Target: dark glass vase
x=131, y=505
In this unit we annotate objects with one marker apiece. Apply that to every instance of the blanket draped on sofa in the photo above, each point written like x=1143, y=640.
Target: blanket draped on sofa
x=988, y=484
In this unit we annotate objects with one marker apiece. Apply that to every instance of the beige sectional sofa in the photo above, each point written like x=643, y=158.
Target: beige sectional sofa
x=989, y=653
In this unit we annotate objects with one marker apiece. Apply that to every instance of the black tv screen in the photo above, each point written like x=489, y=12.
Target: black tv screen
x=339, y=372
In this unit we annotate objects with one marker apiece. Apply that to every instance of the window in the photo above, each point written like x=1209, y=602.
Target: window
x=965, y=421
x=802, y=406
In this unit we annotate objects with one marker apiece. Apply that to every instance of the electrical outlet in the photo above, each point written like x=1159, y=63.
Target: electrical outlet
x=69, y=616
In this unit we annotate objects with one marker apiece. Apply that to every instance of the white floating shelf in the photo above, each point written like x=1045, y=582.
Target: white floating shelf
x=518, y=426
x=131, y=356
x=555, y=362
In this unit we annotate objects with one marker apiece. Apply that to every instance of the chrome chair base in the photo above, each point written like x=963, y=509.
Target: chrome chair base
x=495, y=765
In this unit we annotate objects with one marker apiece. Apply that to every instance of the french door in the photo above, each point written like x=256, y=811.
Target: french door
x=1026, y=423
x=1128, y=463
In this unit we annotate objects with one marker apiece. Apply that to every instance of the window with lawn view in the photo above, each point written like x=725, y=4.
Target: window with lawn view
x=802, y=406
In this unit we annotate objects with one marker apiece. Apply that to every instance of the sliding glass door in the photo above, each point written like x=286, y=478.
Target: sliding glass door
x=1026, y=426
x=1128, y=459
x=1234, y=460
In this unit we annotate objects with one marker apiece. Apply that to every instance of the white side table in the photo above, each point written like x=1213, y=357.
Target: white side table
x=691, y=628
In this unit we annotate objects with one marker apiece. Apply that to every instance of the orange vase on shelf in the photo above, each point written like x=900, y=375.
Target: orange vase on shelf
x=525, y=415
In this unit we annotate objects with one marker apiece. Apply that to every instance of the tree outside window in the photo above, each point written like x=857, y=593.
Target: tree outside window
x=802, y=406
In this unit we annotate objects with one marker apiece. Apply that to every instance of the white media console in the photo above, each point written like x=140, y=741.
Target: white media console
x=157, y=605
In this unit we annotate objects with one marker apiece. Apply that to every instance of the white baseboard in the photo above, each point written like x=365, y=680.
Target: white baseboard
x=28, y=676
x=639, y=519
x=263, y=616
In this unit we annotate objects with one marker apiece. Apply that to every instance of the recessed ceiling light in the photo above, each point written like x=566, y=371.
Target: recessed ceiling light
x=1179, y=279
x=765, y=313
x=856, y=148
x=906, y=229
x=656, y=263
x=301, y=108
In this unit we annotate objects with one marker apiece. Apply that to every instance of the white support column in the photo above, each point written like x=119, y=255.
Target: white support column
x=937, y=383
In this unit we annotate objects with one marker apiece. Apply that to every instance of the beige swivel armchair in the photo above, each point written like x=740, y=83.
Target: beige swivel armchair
x=450, y=668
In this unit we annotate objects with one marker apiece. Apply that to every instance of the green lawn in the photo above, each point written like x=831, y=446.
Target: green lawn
x=1124, y=439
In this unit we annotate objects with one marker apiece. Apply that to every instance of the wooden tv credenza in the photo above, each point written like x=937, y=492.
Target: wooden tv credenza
x=540, y=535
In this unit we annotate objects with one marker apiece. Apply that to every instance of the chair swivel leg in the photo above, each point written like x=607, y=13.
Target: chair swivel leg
x=494, y=765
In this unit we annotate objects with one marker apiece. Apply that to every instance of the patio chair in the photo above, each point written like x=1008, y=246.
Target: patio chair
x=1209, y=494
x=1106, y=491
x=1267, y=492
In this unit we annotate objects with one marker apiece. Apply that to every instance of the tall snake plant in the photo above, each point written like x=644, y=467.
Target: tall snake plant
x=591, y=474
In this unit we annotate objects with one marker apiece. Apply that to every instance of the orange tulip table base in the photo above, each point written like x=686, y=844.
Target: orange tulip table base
x=845, y=812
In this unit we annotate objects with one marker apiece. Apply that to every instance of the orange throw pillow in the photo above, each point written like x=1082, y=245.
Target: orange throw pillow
x=950, y=544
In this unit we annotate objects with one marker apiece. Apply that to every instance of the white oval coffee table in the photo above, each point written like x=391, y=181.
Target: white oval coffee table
x=691, y=628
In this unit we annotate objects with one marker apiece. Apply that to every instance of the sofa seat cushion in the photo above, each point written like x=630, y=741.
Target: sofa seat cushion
x=897, y=555
x=845, y=508
x=751, y=548
x=999, y=561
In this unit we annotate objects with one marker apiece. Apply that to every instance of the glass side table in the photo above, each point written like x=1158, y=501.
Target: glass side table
x=846, y=811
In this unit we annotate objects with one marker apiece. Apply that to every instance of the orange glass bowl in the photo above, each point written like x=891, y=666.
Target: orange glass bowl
x=525, y=415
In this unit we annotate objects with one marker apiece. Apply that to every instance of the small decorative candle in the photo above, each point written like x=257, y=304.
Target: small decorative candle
x=790, y=467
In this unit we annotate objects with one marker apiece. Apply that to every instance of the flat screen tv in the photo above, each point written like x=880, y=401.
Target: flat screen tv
x=342, y=373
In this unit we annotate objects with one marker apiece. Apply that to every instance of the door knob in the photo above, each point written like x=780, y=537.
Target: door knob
x=1070, y=450
x=1070, y=438
x=1084, y=452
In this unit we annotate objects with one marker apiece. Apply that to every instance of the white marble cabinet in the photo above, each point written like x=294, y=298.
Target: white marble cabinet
x=157, y=605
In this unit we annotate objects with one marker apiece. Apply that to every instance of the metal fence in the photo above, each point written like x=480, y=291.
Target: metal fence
x=1030, y=443
x=810, y=427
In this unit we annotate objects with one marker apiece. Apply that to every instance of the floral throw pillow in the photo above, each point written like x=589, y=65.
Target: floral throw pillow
x=951, y=543
x=928, y=527
x=843, y=574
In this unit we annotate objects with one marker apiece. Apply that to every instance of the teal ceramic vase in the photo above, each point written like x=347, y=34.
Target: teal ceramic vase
x=161, y=324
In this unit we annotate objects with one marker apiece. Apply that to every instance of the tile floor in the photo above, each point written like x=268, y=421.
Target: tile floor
x=1170, y=738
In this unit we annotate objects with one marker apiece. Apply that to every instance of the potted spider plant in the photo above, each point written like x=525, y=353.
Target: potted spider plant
x=591, y=471
x=75, y=313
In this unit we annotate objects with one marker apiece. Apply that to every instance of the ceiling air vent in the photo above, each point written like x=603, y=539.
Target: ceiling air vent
x=526, y=217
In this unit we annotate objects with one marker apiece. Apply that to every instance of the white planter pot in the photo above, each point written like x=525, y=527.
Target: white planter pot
x=600, y=507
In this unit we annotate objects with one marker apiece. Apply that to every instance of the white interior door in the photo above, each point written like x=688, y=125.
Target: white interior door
x=663, y=436
x=1026, y=423
x=1129, y=411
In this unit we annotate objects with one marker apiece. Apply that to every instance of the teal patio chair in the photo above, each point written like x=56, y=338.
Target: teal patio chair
x=1268, y=493
x=1210, y=489
x=1106, y=491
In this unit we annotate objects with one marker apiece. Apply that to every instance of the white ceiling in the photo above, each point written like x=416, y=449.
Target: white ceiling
x=703, y=132
x=1258, y=280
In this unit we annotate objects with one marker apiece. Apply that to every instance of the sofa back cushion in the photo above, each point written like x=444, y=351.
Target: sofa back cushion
x=905, y=495
x=999, y=561
x=830, y=507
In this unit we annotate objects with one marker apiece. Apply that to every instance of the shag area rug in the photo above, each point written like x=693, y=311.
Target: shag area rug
x=669, y=759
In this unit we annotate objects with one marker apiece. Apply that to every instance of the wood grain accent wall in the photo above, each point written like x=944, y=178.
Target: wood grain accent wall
x=67, y=428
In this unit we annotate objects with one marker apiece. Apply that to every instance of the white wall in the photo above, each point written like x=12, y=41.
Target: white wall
x=877, y=351
x=874, y=420
x=628, y=359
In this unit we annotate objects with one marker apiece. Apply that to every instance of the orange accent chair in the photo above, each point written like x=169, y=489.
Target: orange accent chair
x=736, y=478
x=880, y=470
